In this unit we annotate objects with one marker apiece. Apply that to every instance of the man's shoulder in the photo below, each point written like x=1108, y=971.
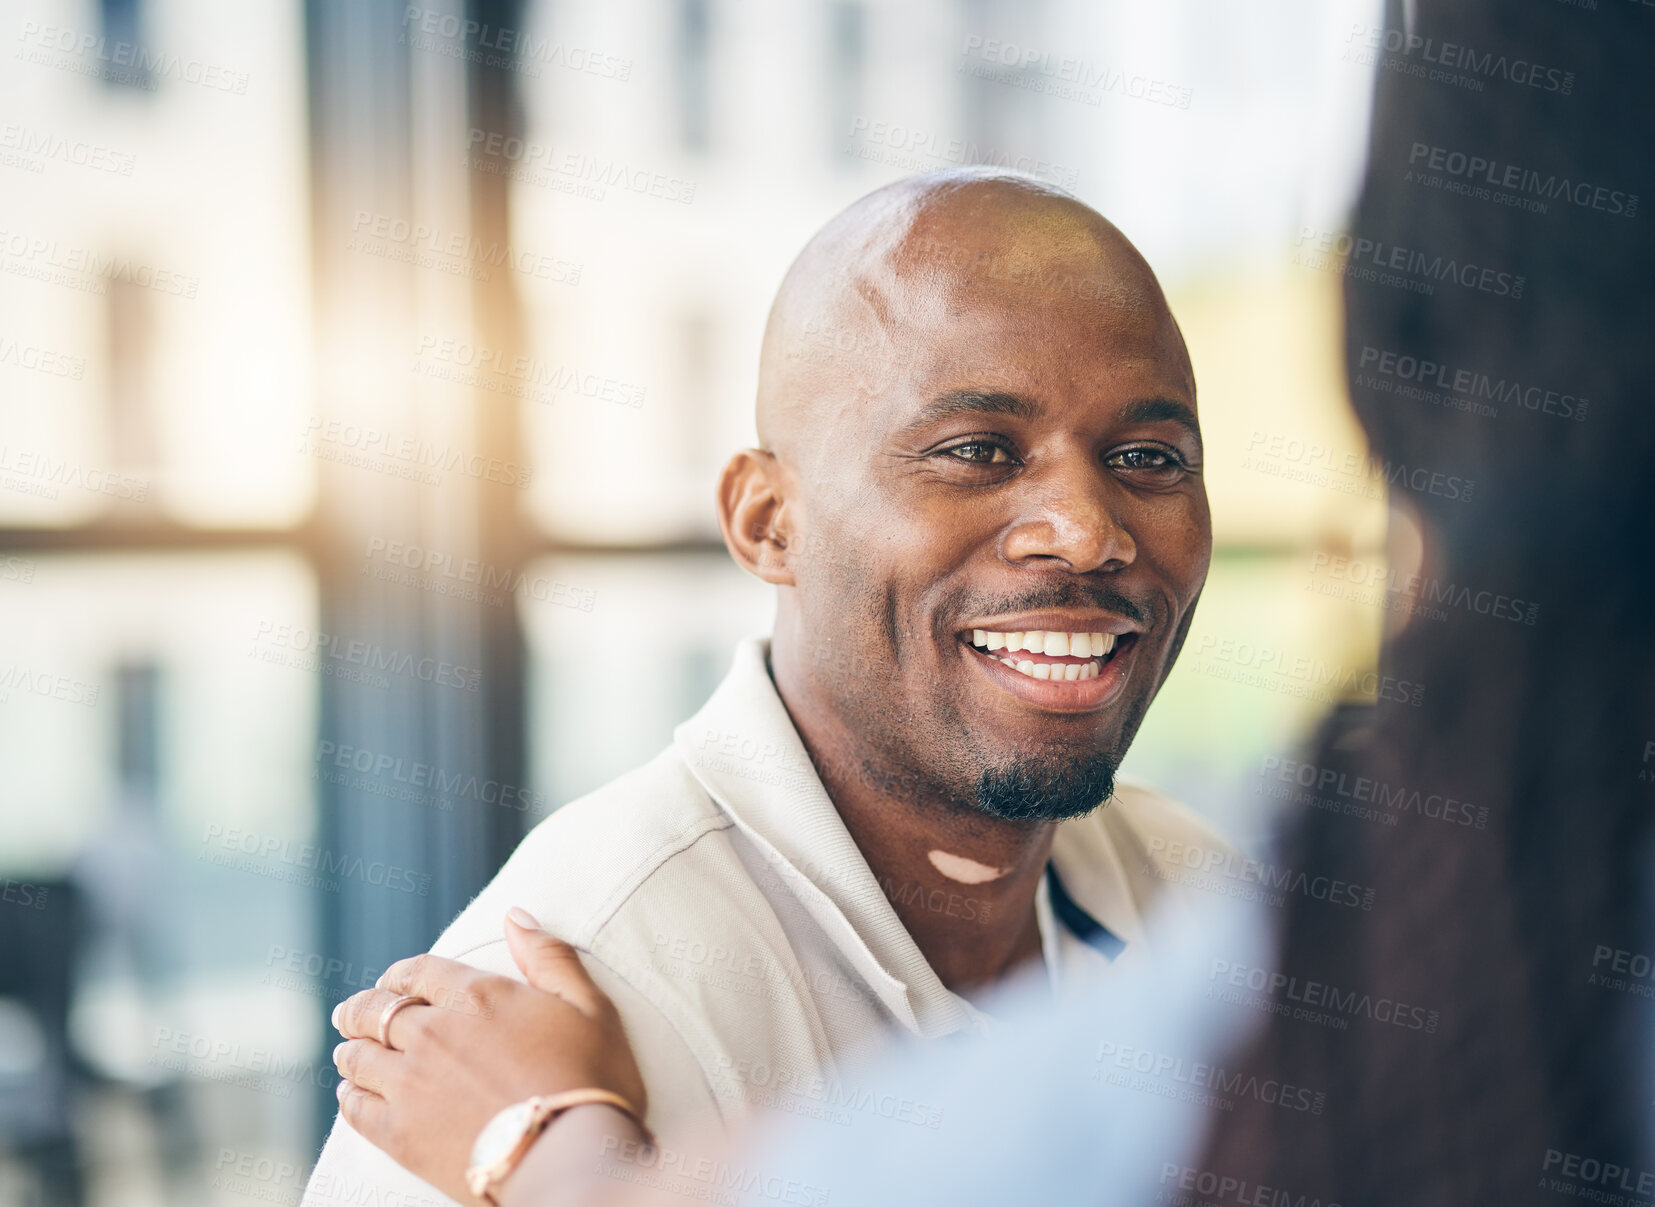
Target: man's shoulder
x=576, y=868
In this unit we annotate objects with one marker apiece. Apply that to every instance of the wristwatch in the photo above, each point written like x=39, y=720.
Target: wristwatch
x=504, y=1140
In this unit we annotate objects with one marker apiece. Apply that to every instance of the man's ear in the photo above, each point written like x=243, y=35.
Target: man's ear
x=753, y=514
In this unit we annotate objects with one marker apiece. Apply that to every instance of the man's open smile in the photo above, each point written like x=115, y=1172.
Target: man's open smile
x=1053, y=656
x=1065, y=670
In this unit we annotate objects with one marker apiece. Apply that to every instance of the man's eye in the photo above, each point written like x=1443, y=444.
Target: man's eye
x=1149, y=467
x=979, y=452
x=1155, y=461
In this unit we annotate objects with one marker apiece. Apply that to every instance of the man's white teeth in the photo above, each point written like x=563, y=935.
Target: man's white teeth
x=1051, y=670
x=1056, y=645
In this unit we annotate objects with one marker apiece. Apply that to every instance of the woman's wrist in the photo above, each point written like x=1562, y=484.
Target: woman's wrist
x=572, y=1161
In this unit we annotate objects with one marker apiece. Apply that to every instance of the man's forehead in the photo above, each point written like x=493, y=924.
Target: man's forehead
x=1010, y=345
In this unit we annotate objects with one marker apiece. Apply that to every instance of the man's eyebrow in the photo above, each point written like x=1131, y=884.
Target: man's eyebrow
x=981, y=402
x=1155, y=410
x=994, y=402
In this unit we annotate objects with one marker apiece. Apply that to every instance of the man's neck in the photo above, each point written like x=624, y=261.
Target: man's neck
x=964, y=889
x=962, y=882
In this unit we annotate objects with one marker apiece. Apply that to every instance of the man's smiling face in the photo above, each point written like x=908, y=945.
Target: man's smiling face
x=1008, y=523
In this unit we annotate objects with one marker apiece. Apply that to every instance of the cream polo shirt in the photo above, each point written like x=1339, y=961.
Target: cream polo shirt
x=718, y=898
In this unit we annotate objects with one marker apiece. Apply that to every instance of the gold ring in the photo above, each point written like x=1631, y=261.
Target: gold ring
x=390, y=1012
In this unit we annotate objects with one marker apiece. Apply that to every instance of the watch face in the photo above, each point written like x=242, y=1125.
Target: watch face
x=501, y=1134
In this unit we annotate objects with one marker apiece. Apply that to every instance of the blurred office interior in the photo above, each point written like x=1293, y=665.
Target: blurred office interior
x=365, y=371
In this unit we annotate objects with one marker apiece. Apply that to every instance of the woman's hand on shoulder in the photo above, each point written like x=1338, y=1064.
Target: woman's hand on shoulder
x=471, y=1044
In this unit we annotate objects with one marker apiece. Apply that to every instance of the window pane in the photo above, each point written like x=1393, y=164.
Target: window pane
x=623, y=649
x=154, y=265
x=152, y=819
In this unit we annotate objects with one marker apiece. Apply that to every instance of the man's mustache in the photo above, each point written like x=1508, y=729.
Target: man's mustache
x=1070, y=593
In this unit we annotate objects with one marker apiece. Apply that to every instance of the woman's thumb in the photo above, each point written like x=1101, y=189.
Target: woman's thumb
x=549, y=963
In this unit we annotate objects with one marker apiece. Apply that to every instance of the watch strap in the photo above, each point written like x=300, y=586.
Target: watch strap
x=543, y=1108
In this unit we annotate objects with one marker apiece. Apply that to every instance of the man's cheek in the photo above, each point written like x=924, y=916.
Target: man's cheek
x=1183, y=551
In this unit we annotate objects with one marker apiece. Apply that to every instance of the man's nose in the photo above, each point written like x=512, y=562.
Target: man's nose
x=1073, y=521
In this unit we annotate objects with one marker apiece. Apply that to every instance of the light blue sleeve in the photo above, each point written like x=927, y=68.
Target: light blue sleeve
x=1105, y=1099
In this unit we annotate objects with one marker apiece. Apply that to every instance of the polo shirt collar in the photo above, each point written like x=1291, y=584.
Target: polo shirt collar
x=744, y=750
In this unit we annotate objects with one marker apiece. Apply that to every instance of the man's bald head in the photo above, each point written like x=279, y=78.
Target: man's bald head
x=843, y=325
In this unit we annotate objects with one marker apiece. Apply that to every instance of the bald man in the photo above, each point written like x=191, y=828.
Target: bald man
x=978, y=491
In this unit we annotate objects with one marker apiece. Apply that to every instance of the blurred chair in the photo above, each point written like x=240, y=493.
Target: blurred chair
x=39, y=945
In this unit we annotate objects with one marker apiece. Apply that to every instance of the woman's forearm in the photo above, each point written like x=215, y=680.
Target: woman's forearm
x=581, y=1160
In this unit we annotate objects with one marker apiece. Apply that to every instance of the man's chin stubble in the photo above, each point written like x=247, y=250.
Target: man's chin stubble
x=1047, y=789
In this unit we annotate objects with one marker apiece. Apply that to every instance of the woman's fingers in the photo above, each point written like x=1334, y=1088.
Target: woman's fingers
x=358, y=1016
x=445, y=983
x=551, y=964
x=364, y=1111
x=366, y=1064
